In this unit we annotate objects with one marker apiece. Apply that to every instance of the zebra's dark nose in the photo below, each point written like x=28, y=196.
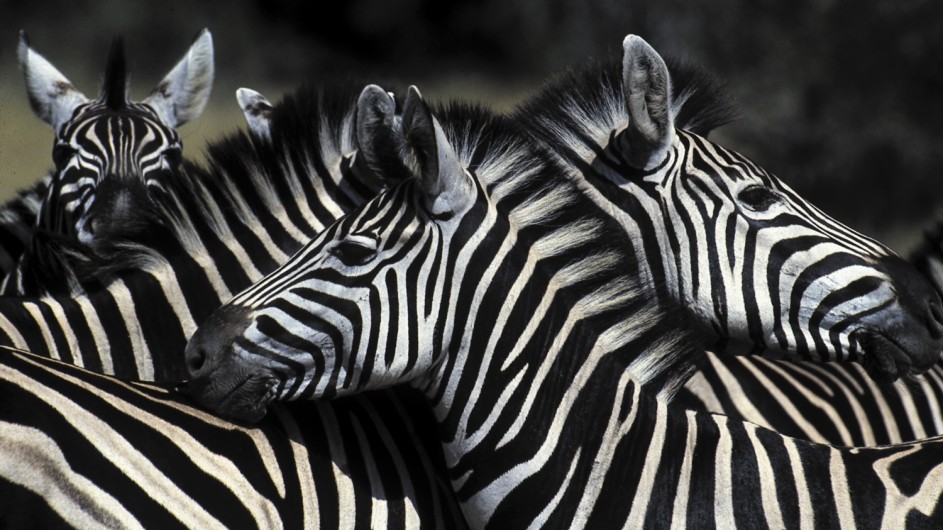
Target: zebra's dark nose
x=920, y=327
x=212, y=343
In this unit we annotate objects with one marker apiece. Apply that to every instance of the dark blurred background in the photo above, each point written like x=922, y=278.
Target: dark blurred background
x=840, y=98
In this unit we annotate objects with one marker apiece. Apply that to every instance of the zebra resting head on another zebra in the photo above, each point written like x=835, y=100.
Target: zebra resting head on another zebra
x=111, y=154
x=846, y=296
x=751, y=259
x=490, y=282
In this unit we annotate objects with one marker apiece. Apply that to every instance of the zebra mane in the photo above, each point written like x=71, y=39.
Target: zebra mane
x=114, y=92
x=590, y=251
x=581, y=107
x=247, y=181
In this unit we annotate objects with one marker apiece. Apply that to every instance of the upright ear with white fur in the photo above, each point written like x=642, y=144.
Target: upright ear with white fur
x=258, y=113
x=182, y=95
x=646, y=87
x=52, y=97
x=446, y=186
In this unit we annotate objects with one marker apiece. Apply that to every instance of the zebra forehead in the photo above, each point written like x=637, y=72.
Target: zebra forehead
x=89, y=116
x=730, y=166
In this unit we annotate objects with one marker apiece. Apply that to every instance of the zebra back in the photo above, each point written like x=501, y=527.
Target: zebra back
x=81, y=449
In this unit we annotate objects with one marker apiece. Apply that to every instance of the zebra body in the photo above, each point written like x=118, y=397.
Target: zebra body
x=86, y=450
x=489, y=282
x=212, y=233
x=830, y=403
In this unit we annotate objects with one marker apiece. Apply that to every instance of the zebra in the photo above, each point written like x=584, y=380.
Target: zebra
x=692, y=230
x=757, y=265
x=827, y=403
x=85, y=450
x=490, y=282
x=111, y=155
x=134, y=301
x=215, y=231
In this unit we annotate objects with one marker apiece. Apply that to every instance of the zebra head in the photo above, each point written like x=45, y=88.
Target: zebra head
x=749, y=257
x=311, y=328
x=111, y=153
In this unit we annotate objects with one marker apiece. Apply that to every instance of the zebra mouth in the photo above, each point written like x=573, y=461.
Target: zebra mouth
x=245, y=401
x=884, y=359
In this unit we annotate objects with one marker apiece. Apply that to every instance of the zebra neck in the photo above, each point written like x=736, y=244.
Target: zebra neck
x=533, y=367
x=619, y=457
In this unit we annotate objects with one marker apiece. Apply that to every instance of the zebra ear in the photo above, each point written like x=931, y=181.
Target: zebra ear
x=379, y=132
x=52, y=97
x=646, y=87
x=442, y=178
x=182, y=95
x=258, y=113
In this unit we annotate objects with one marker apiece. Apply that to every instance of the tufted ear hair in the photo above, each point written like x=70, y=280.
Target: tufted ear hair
x=52, y=97
x=646, y=87
x=258, y=113
x=447, y=188
x=182, y=95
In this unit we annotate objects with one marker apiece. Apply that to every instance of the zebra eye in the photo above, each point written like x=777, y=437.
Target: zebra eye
x=61, y=154
x=356, y=250
x=758, y=198
x=173, y=156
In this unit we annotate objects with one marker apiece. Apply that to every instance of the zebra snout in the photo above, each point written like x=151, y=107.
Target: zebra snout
x=915, y=323
x=211, y=345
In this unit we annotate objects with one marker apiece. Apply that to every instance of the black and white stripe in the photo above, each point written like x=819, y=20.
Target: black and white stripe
x=111, y=155
x=491, y=283
x=212, y=232
x=83, y=450
x=696, y=225
x=754, y=262
x=827, y=402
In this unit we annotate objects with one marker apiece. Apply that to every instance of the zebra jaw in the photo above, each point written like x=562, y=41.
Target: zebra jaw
x=246, y=401
x=884, y=359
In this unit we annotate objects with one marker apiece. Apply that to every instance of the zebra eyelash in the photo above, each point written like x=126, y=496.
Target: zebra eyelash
x=62, y=153
x=356, y=249
x=758, y=198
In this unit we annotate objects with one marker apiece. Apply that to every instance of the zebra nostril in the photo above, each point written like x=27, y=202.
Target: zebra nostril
x=196, y=358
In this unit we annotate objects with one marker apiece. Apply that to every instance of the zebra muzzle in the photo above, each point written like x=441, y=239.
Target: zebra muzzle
x=883, y=358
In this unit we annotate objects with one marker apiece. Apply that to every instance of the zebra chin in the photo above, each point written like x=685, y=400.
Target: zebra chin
x=245, y=400
x=889, y=356
x=905, y=338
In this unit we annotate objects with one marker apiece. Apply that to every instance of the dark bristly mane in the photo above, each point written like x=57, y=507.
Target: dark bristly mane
x=705, y=104
x=699, y=101
x=115, y=86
